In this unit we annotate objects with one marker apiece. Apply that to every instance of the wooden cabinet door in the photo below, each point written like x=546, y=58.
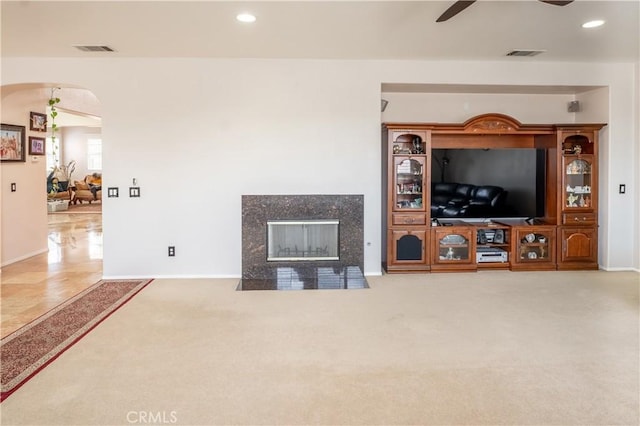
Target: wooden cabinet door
x=579, y=246
x=407, y=250
x=453, y=248
x=409, y=184
x=533, y=248
x=579, y=184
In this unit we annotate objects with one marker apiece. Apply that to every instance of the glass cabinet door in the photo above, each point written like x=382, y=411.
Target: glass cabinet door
x=535, y=245
x=409, y=184
x=578, y=183
x=453, y=246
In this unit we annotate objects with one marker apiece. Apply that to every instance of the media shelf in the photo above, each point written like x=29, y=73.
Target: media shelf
x=513, y=244
x=566, y=167
x=493, y=245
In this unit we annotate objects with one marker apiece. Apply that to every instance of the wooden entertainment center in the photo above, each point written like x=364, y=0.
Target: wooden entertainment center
x=565, y=237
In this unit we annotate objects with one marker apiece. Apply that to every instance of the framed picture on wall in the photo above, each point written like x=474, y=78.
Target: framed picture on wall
x=38, y=122
x=12, y=143
x=36, y=145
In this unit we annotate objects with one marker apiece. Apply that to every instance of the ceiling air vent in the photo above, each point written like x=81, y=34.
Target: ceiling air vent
x=522, y=52
x=94, y=48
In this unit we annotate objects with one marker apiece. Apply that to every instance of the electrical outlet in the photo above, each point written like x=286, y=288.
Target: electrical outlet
x=112, y=192
x=172, y=251
x=622, y=189
x=13, y=187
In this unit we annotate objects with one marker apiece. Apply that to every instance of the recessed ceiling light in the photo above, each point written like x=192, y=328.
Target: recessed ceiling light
x=593, y=24
x=246, y=17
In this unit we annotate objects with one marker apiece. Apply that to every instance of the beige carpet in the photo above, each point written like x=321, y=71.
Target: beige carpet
x=551, y=348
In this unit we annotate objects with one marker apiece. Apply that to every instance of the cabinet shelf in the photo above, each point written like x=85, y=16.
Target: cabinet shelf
x=494, y=245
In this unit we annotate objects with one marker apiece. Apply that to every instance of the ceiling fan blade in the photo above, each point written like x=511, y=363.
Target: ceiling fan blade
x=456, y=8
x=557, y=3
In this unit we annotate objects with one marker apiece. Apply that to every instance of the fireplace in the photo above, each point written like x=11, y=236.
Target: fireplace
x=302, y=242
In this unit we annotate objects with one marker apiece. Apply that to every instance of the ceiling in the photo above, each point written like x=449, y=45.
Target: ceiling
x=67, y=118
x=323, y=30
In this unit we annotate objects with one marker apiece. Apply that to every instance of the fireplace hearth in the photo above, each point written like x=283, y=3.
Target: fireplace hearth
x=300, y=242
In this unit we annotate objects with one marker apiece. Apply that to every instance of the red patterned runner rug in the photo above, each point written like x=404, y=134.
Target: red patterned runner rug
x=29, y=349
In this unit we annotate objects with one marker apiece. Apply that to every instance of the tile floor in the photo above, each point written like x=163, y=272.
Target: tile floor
x=74, y=261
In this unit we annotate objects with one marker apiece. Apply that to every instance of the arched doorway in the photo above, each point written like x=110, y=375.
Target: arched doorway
x=47, y=255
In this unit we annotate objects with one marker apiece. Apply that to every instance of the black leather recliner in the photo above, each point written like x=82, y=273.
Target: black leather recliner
x=450, y=199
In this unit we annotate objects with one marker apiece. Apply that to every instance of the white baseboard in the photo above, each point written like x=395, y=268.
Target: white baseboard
x=26, y=256
x=619, y=269
x=169, y=277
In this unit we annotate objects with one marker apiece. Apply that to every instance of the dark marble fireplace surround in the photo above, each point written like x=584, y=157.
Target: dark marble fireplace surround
x=260, y=274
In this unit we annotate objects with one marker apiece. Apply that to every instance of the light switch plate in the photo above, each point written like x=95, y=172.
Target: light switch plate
x=134, y=191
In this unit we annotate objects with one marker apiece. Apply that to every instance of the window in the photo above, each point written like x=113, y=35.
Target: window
x=94, y=154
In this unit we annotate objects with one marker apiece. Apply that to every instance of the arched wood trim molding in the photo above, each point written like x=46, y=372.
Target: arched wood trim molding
x=492, y=123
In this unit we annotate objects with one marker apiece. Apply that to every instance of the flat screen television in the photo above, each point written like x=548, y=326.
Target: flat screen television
x=519, y=171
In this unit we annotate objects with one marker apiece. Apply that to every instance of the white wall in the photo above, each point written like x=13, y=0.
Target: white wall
x=199, y=133
x=618, y=232
x=23, y=229
x=635, y=230
x=459, y=107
